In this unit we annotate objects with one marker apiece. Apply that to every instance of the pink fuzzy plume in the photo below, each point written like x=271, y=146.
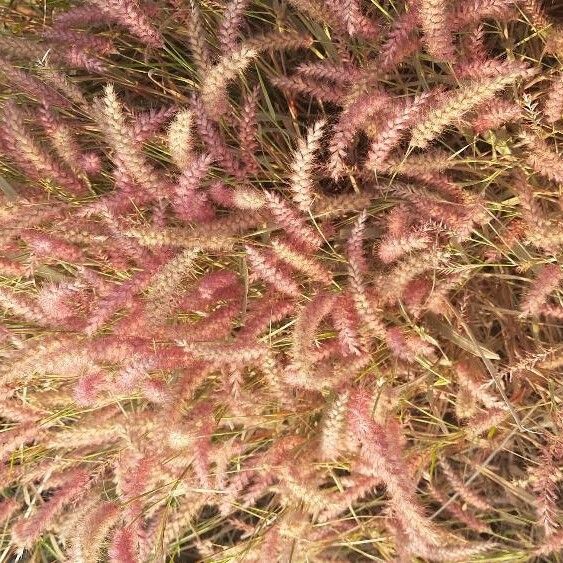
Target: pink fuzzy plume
x=88, y=388
x=301, y=181
x=96, y=43
x=123, y=547
x=338, y=73
x=80, y=16
x=357, y=268
x=354, y=116
x=28, y=83
x=219, y=285
x=305, y=86
x=553, y=108
x=407, y=346
x=390, y=135
x=546, y=281
x=48, y=246
x=266, y=266
x=350, y=13
x=474, y=45
x=60, y=301
x=190, y=202
x=22, y=306
x=434, y=18
x=401, y=42
x=542, y=158
x=26, y=530
x=245, y=198
x=131, y=16
x=32, y=156
x=494, y=114
x=76, y=56
x=90, y=162
x=116, y=299
x=392, y=247
x=471, y=12
x=383, y=456
x=347, y=323
x=231, y=24
x=8, y=508
x=291, y=255
x=148, y=123
x=248, y=130
x=293, y=223
x=264, y=314
x=213, y=139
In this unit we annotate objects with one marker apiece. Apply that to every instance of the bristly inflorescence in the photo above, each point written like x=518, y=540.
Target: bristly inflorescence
x=281, y=281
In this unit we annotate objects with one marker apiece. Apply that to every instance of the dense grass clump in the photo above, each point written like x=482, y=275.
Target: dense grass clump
x=280, y=280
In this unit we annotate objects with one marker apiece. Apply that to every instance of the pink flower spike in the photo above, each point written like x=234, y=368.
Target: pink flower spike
x=123, y=547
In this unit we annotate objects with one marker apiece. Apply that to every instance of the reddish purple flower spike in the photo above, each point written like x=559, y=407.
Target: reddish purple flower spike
x=31, y=155
x=391, y=134
x=495, y=114
x=149, y=123
x=248, y=131
x=95, y=43
x=356, y=23
x=263, y=271
x=32, y=86
x=547, y=280
x=267, y=267
x=351, y=120
x=435, y=22
x=80, y=16
x=401, y=42
x=123, y=547
x=26, y=530
x=231, y=24
x=553, y=108
x=131, y=16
